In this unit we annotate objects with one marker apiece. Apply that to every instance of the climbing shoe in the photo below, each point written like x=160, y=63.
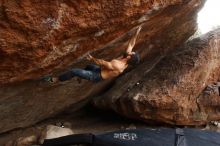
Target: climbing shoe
x=48, y=79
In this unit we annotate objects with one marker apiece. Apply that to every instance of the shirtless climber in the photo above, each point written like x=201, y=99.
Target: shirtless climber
x=102, y=69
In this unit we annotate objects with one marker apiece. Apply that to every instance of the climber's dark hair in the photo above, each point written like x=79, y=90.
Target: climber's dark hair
x=135, y=59
x=124, y=54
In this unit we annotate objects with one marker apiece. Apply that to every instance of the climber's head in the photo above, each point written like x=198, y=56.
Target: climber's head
x=134, y=58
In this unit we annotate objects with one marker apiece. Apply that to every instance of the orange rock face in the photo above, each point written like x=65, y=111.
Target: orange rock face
x=46, y=37
x=38, y=36
x=181, y=88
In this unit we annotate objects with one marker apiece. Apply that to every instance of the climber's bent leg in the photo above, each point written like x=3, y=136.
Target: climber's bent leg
x=93, y=67
x=85, y=74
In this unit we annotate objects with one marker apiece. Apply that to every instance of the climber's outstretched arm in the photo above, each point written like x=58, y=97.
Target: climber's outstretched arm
x=132, y=41
x=100, y=62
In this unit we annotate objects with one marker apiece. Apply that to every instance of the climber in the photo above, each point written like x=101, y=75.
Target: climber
x=102, y=69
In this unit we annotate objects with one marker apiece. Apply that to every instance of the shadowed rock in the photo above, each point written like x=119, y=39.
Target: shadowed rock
x=174, y=90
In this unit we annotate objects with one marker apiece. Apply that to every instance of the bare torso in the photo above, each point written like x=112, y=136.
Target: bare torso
x=118, y=66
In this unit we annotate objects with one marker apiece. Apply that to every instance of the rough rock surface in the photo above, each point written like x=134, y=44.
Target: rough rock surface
x=38, y=36
x=41, y=37
x=181, y=89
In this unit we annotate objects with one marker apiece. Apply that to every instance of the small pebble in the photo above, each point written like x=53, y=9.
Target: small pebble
x=131, y=126
x=215, y=123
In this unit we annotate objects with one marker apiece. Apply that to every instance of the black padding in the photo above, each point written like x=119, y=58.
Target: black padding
x=137, y=137
x=195, y=137
x=142, y=137
x=70, y=140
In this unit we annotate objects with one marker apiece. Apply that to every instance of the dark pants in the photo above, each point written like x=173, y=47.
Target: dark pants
x=91, y=72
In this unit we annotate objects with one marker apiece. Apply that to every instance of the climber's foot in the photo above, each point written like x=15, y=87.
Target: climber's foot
x=50, y=79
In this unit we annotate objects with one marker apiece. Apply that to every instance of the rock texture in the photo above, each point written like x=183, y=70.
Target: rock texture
x=42, y=37
x=175, y=90
x=38, y=36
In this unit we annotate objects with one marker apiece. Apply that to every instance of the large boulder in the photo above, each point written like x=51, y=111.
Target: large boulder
x=47, y=37
x=38, y=37
x=181, y=88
